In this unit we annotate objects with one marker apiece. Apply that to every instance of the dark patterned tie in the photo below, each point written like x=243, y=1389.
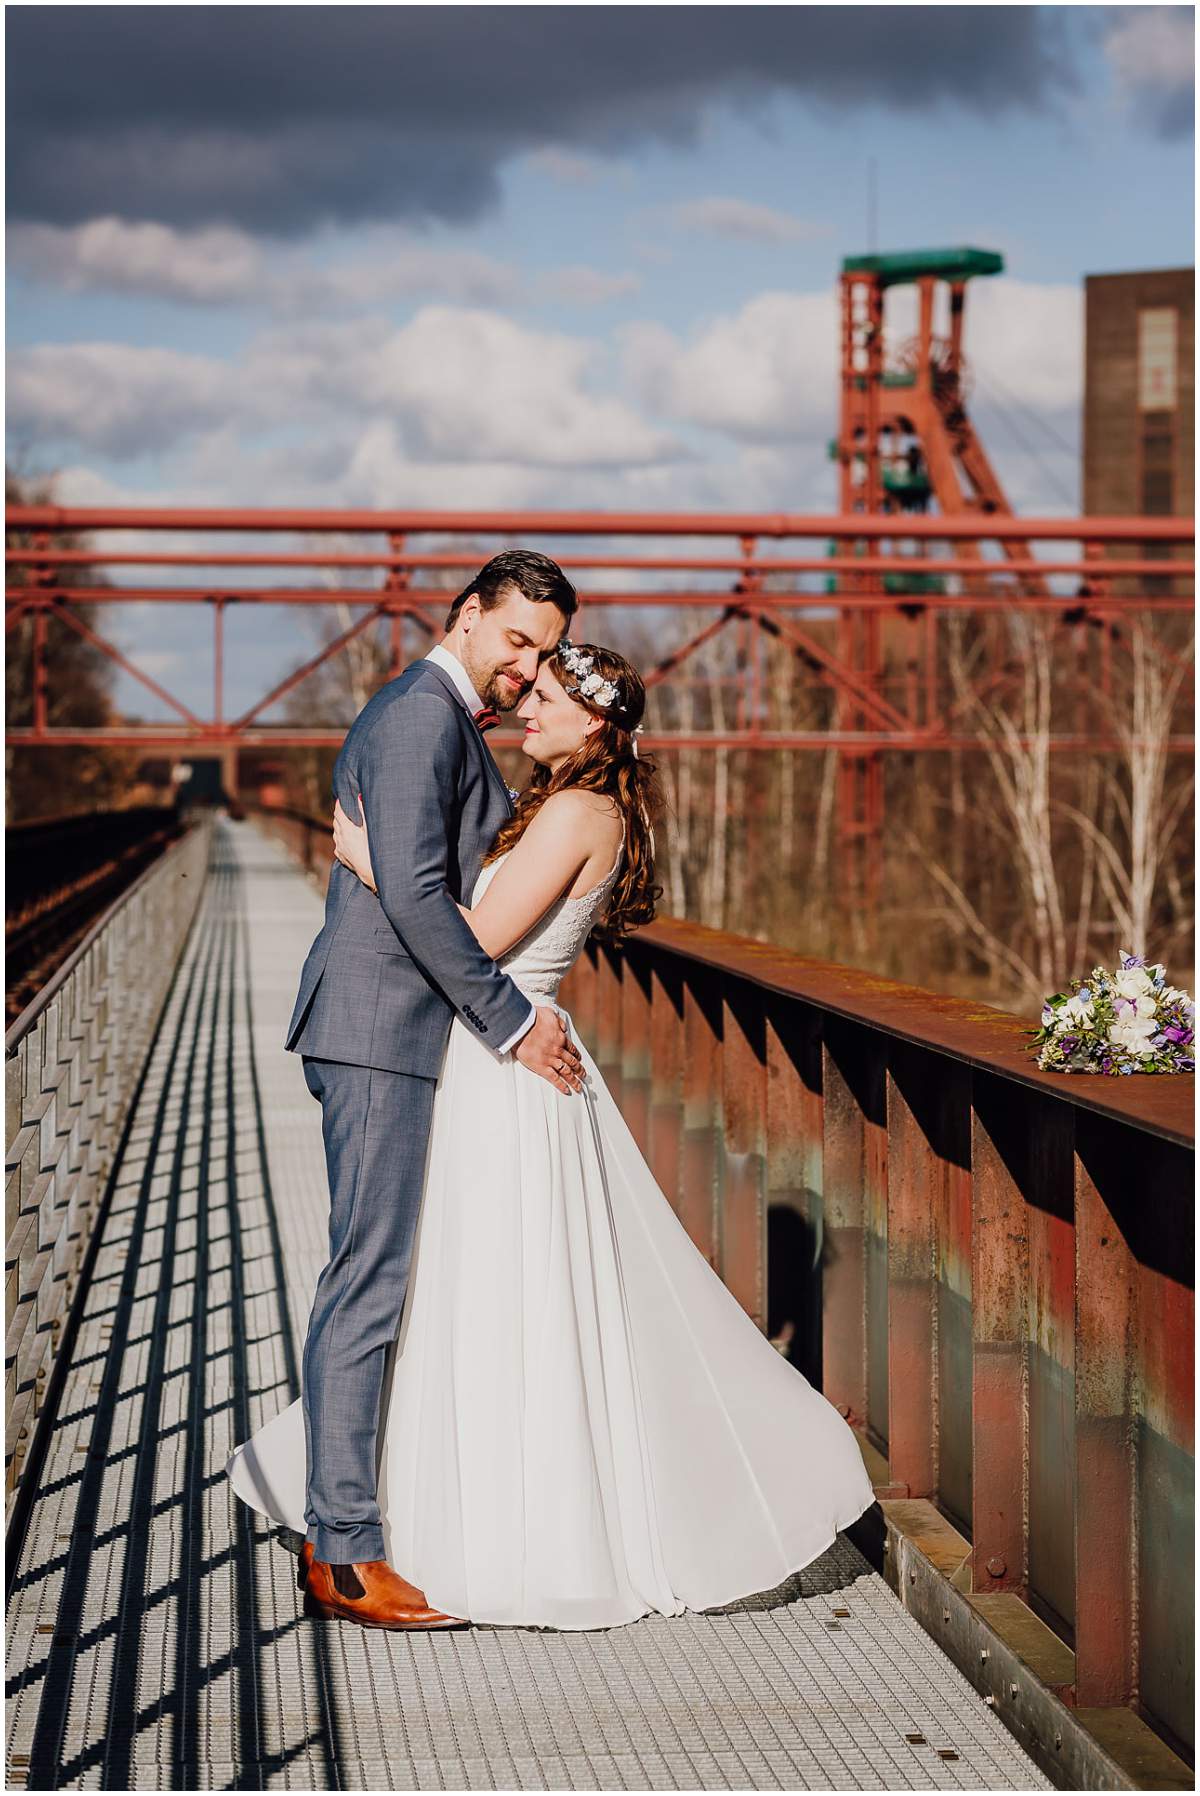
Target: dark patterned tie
x=487, y=718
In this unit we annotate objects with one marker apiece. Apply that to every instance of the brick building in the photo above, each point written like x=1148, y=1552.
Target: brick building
x=1139, y=394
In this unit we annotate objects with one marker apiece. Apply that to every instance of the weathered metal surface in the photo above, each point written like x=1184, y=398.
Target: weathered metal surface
x=1065, y=1749
x=609, y=973
x=795, y=1216
x=73, y=1058
x=744, y=1164
x=599, y=524
x=852, y=1099
x=666, y=1077
x=634, y=1045
x=702, y=1148
x=1105, y=1403
x=916, y=1176
x=974, y=1033
x=988, y=1267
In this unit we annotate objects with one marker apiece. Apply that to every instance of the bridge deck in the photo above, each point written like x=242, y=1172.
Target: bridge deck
x=155, y=1638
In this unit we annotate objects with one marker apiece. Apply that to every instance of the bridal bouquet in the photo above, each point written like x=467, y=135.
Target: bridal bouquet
x=1130, y=1021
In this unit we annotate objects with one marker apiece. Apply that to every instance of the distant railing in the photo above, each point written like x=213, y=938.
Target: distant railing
x=987, y=1268
x=307, y=838
x=73, y=1061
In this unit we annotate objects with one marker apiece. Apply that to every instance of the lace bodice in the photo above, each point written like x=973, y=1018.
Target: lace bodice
x=543, y=957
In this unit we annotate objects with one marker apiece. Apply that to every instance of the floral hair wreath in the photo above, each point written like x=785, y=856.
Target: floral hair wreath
x=589, y=684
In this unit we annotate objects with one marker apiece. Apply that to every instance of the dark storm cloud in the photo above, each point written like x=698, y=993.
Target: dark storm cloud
x=277, y=118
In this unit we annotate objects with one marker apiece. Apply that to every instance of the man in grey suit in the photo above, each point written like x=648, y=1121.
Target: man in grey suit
x=379, y=988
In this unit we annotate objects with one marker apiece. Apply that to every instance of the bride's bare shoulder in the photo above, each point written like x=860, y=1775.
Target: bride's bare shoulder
x=591, y=815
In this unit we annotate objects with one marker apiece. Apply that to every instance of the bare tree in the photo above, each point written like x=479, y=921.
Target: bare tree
x=1141, y=717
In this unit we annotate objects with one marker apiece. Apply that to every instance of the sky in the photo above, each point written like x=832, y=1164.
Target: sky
x=553, y=256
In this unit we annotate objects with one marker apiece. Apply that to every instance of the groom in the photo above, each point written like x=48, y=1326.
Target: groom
x=379, y=988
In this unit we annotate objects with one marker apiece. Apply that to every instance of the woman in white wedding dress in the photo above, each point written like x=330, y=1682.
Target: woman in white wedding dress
x=583, y=1426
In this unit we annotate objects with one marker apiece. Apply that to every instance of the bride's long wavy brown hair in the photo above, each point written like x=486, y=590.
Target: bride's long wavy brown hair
x=605, y=763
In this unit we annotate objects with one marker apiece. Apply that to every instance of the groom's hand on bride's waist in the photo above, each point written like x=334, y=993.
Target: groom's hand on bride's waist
x=546, y=1048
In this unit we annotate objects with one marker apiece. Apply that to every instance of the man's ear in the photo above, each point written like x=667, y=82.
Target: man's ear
x=470, y=609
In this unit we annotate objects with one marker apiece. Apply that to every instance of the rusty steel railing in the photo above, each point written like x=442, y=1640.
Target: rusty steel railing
x=988, y=1269
x=73, y=1061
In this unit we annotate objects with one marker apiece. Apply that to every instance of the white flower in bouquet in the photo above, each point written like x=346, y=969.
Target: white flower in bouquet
x=1131, y=982
x=1133, y=1034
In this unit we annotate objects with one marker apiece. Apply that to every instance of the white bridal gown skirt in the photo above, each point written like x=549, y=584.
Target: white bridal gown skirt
x=583, y=1425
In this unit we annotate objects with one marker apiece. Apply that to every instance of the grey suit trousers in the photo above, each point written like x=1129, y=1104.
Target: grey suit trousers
x=376, y=1130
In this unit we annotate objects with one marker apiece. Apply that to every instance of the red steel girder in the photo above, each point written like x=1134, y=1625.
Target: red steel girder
x=971, y=528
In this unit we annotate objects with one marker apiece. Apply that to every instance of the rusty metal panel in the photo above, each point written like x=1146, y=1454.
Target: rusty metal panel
x=993, y=1040
x=953, y=1295
x=609, y=967
x=999, y=1284
x=1049, y=1130
x=795, y=1220
x=1106, y=1186
x=852, y=1079
x=1161, y=1232
x=928, y=1110
x=635, y=1046
x=666, y=1075
x=700, y=1178
x=744, y=1181
x=578, y=996
x=1024, y=1327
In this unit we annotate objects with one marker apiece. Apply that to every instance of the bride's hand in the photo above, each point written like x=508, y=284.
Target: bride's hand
x=351, y=846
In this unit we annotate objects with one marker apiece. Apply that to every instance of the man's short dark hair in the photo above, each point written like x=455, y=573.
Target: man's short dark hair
x=535, y=576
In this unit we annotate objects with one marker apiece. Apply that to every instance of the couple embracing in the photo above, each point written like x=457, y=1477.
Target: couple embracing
x=527, y=1397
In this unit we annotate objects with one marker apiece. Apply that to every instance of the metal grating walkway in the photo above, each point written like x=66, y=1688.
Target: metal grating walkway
x=155, y=1639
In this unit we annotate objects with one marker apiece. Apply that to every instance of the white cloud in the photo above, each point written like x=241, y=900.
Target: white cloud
x=115, y=397
x=466, y=407
x=744, y=220
x=476, y=386
x=216, y=266
x=1030, y=337
x=1151, y=53
x=1153, y=46
x=457, y=383
x=223, y=266
x=766, y=373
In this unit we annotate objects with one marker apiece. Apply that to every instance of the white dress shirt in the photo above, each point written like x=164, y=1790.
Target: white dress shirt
x=450, y=664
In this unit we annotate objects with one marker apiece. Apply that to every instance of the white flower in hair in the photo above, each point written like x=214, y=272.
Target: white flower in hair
x=589, y=684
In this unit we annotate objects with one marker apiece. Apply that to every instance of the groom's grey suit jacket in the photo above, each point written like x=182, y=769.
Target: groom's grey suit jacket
x=386, y=973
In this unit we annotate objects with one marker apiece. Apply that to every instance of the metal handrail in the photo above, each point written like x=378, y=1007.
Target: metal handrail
x=74, y=1058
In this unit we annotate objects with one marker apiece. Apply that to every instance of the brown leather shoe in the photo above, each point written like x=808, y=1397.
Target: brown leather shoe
x=383, y=1598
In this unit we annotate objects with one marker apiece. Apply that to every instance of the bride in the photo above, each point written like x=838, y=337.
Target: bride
x=582, y=1425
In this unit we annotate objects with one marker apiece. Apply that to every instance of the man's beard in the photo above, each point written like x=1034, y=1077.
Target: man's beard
x=500, y=692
